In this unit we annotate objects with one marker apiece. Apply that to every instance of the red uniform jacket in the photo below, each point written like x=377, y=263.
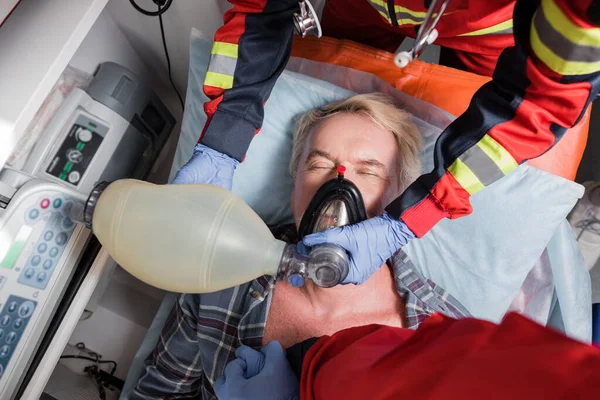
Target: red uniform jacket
x=540, y=88
x=451, y=359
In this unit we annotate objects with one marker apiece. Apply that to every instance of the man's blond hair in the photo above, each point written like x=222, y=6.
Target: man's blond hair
x=380, y=109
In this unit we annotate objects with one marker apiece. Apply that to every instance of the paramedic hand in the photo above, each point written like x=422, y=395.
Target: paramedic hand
x=207, y=166
x=369, y=243
x=258, y=375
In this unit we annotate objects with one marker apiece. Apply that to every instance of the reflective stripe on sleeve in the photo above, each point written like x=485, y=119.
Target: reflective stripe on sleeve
x=564, y=47
x=482, y=165
x=221, y=68
x=501, y=28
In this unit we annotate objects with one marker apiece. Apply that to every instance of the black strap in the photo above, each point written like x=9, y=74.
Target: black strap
x=392, y=12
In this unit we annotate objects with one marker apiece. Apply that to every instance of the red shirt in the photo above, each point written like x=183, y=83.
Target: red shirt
x=447, y=358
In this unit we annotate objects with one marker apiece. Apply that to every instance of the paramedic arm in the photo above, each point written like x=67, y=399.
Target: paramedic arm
x=249, y=53
x=174, y=368
x=540, y=88
x=258, y=375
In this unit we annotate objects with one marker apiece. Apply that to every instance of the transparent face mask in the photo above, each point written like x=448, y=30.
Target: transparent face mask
x=338, y=202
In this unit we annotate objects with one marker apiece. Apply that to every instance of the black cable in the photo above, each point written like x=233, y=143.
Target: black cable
x=162, y=33
x=159, y=13
x=153, y=13
x=113, y=370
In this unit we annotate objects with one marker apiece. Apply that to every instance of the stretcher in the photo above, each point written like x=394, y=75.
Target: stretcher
x=433, y=84
x=427, y=82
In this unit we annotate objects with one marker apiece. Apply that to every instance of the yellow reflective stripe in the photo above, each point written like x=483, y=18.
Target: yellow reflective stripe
x=225, y=49
x=498, y=154
x=492, y=29
x=562, y=24
x=218, y=80
x=406, y=21
x=384, y=15
x=467, y=179
x=558, y=64
x=418, y=14
x=379, y=3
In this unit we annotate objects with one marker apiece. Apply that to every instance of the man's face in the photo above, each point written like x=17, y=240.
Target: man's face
x=368, y=152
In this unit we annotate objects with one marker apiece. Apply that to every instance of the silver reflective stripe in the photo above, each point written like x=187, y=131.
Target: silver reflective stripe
x=380, y=8
x=562, y=46
x=222, y=64
x=406, y=16
x=502, y=32
x=481, y=165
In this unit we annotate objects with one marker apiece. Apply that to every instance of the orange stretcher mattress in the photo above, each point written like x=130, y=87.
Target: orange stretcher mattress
x=447, y=88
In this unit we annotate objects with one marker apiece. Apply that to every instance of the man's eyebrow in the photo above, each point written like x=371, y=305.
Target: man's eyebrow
x=370, y=162
x=314, y=153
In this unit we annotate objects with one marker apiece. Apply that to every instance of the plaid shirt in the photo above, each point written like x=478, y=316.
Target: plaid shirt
x=202, y=332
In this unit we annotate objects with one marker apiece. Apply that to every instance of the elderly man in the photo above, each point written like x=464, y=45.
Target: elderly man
x=379, y=146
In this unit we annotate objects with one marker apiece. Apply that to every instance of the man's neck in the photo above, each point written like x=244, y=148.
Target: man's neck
x=299, y=314
x=378, y=292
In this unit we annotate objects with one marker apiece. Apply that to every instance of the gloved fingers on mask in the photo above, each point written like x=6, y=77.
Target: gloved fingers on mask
x=336, y=236
x=255, y=360
x=235, y=369
x=303, y=249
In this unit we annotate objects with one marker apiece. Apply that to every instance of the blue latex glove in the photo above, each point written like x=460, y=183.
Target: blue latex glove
x=208, y=166
x=258, y=375
x=369, y=243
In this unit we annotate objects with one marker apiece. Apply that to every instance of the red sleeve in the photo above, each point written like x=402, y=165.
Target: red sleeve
x=451, y=359
x=540, y=88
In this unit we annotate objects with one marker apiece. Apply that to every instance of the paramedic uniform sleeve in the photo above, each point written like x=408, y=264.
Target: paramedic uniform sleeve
x=540, y=88
x=174, y=369
x=249, y=53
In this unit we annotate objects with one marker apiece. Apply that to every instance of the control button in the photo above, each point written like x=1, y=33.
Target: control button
x=29, y=273
x=26, y=309
x=36, y=260
x=41, y=277
x=75, y=156
x=47, y=264
x=68, y=206
x=5, y=320
x=48, y=235
x=2, y=333
x=33, y=214
x=57, y=203
x=12, y=307
x=84, y=135
x=11, y=338
x=42, y=247
x=18, y=323
x=67, y=223
x=62, y=238
x=54, y=252
x=74, y=177
x=45, y=203
x=4, y=350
